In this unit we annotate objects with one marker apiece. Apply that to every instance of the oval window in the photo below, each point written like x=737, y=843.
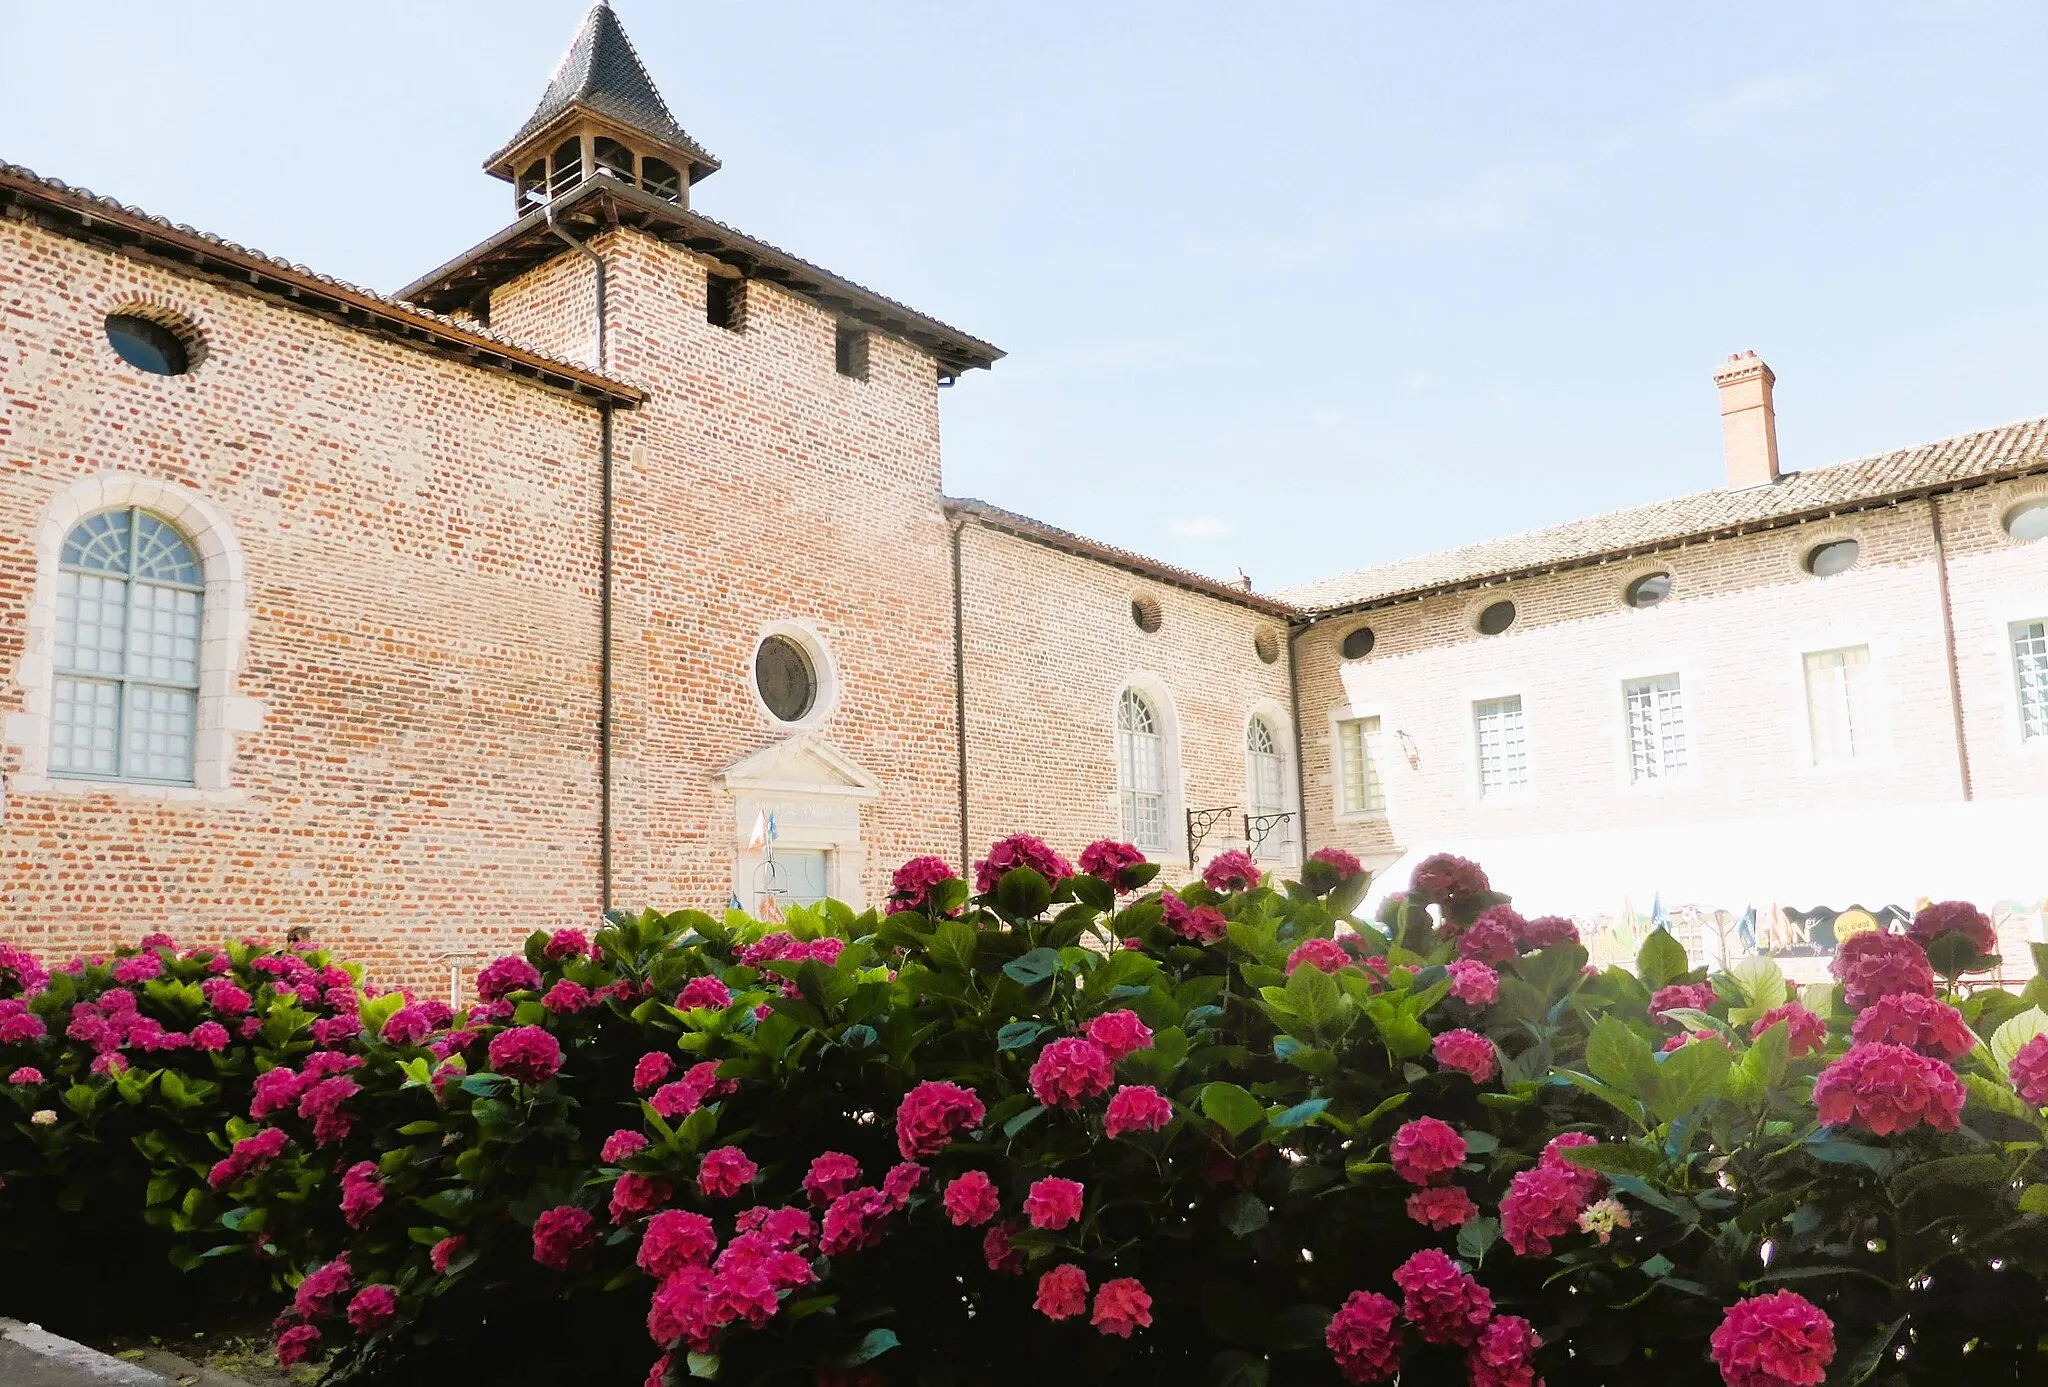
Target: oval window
x=1837, y=556
x=147, y=346
x=1267, y=647
x=1497, y=618
x=1648, y=590
x=2028, y=521
x=1145, y=613
x=1358, y=643
x=783, y=674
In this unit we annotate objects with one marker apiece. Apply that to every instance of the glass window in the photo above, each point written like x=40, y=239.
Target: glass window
x=1358, y=643
x=2028, y=521
x=1656, y=727
x=1265, y=770
x=1496, y=618
x=1648, y=590
x=2030, y=663
x=796, y=876
x=783, y=674
x=1828, y=559
x=1141, y=772
x=147, y=346
x=1503, y=746
x=1838, y=703
x=126, y=694
x=1358, y=775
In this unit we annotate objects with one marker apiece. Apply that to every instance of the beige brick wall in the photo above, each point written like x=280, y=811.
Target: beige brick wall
x=1051, y=645
x=421, y=556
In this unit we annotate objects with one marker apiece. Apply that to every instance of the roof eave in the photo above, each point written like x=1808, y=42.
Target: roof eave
x=699, y=163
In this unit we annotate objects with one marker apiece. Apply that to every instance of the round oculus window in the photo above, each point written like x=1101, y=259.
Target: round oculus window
x=787, y=681
x=148, y=346
x=1497, y=618
x=1145, y=613
x=1836, y=556
x=2028, y=521
x=1648, y=590
x=1358, y=643
x=1266, y=646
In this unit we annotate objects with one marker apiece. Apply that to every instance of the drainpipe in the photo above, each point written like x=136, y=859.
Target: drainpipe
x=604, y=589
x=960, y=693
x=1948, y=639
x=1295, y=633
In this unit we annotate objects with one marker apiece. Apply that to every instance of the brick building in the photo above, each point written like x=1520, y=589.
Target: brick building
x=610, y=562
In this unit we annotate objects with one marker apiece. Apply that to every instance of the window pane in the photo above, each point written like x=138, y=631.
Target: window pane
x=1656, y=727
x=163, y=634
x=1837, y=703
x=159, y=728
x=89, y=621
x=1359, y=789
x=1141, y=772
x=1503, y=749
x=85, y=728
x=2030, y=659
x=796, y=876
x=100, y=542
x=162, y=555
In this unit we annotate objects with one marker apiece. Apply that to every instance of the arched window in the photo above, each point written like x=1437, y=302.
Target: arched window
x=1141, y=771
x=1265, y=774
x=126, y=693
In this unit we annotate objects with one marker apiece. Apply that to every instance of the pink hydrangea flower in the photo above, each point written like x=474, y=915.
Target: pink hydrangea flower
x=1541, y=1204
x=1020, y=850
x=1926, y=1024
x=1505, y=1355
x=1442, y=1206
x=1473, y=983
x=1136, y=1108
x=831, y=1175
x=1685, y=1038
x=1876, y=964
x=1546, y=930
x=566, y=998
x=1588, y=1181
x=678, y=1099
x=1323, y=955
x=1000, y=1253
x=901, y=1182
x=563, y=1236
x=1889, y=1088
x=1495, y=937
x=1062, y=1293
x=505, y=976
x=22, y=1027
x=1468, y=1052
x=250, y=1154
x=1954, y=917
x=445, y=1251
x=361, y=1193
x=724, y=1172
x=225, y=998
x=704, y=992
x=675, y=1239
x=1069, y=1071
x=1120, y=1033
x=321, y=1292
x=1198, y=924
x=1426, y=1151
x=911, y=885
x=931, y=1114
x=1339, y=861
x=27, y=1074
x=322, y=1105
x=634, y=1195
x=622, y=1145
x=527, y=1054
x=142, y=968
x=1364, y=1339
x=653, y=1067
x=1443, y=879
x=296, y=1345
x=373, y=1309
x=1439, y=1299
x=1053, y=1202
x=680, y=1311
x=854, y=1221
x=1777, y=1340
x=1122, y=1307
x=971, y=1200
x=1232, y=871
x=2029, y=1071
x=1695, y=996
x=1110, y=861
x=1805, y=1032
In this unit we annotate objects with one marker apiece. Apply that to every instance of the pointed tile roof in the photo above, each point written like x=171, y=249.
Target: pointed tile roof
x=603, y=74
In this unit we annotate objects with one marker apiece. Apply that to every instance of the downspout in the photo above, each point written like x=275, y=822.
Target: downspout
x=960, y=694
x=604, y=589
x=1948, y=640
x=1295, y=633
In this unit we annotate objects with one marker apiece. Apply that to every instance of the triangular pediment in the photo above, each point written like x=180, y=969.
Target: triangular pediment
x=803, y=765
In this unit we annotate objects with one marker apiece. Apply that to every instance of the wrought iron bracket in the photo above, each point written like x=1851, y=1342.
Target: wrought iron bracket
x=1200, y=823
x=1259, y=827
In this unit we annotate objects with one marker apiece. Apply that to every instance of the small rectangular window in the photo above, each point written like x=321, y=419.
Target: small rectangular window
x=725, y=302
x=1358, y=776
x=1838, y=712
x=1656, y=728
x=1503, y=746
x=2030, y=664
x=850, y=352
x=795, y=876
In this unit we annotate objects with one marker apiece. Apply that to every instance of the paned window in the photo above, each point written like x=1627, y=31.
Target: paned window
x=1265, y=770
x=1358, y=773
x=2030, y=664
x=129, y=594
x=1503, y=746
x=1838, y=711
x=796, y=876
x=1141, y=771
x=1656, y=727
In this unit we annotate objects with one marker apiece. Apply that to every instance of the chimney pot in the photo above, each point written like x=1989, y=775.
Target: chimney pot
x=1749, y=420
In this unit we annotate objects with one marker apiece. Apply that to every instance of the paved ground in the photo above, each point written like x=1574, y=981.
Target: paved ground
x=33, y=1357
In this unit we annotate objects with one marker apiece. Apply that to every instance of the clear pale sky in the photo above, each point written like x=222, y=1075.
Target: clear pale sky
x=1292, y=287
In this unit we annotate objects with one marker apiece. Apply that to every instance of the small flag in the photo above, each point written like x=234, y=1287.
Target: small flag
x=771, y=827
x=761, y=834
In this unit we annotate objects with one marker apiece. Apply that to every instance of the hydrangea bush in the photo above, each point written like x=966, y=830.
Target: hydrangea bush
x=1027, y=1120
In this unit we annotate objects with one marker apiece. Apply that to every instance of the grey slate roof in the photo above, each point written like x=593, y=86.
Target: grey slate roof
x=1944, y=465
x=602, y=73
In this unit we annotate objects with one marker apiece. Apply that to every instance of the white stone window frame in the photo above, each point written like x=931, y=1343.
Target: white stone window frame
x=1818, y=534
x=2013, y=604
x=1879, y=751
x=2022, y=494
x=1341, y=713
x=1173, y=784
x=824, y=668
x=1519, y=796
x=221, y=714
x=1651, y=662
x=1270, y=712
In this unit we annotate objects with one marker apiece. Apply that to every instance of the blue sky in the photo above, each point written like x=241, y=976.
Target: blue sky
x=1292, y=287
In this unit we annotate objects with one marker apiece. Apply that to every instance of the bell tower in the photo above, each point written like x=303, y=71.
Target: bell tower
x=600, y=117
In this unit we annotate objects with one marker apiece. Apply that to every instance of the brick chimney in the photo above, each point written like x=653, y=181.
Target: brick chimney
x=1749, y=422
